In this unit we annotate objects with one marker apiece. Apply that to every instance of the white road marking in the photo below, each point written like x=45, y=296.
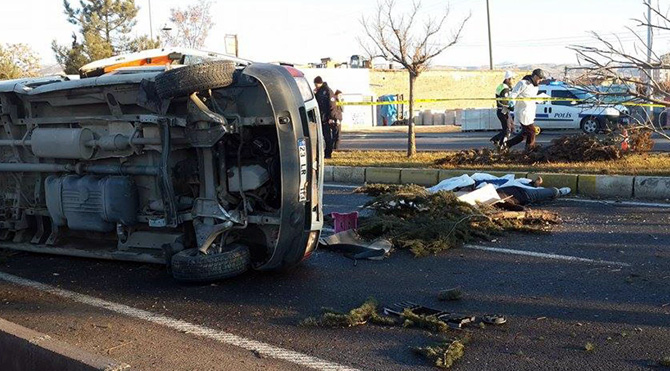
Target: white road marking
x=183, y=326
x=544, y=255
x=622, y=203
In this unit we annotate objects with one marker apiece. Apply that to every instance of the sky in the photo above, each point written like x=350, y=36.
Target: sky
x=301, y=31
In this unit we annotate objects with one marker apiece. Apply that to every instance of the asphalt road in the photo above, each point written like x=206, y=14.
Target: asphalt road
x=554, y=307
x=448, y=141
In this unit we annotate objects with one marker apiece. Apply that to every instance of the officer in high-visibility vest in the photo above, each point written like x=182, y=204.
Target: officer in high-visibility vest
x=503, y=108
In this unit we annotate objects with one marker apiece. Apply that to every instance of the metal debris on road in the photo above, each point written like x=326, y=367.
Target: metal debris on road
x=354, y=247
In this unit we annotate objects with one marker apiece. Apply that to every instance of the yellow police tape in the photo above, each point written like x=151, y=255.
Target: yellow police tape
x=387, y=103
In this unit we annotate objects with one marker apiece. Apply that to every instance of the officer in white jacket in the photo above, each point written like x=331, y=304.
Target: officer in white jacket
x=524, y=110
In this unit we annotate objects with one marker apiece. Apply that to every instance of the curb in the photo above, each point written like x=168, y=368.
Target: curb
x=419, y=176
x=382, y=175
x=592, y=185
x=652, y=187
x=25, y=349
x=347, y=174
x=607, y=186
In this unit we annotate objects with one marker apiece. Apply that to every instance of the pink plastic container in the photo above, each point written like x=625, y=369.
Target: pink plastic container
x=344, y=222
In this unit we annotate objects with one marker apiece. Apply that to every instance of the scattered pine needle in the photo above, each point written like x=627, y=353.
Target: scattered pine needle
x=427, y=223
x=443, y=354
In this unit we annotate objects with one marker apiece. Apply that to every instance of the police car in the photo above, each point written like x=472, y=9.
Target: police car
x=577, y=109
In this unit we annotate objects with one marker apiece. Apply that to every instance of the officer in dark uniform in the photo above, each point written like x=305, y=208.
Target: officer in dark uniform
x=328, y=109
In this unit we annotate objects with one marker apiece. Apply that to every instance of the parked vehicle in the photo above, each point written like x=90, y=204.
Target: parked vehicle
x=577, y=109
x=208, y=163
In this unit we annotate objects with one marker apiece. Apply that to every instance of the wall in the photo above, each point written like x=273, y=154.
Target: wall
x=434, y=84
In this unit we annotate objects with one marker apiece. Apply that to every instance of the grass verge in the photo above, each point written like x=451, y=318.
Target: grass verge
x=635, y=164
x=403, y=129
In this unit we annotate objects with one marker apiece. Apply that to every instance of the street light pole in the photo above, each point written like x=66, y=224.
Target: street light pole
x=151, y=26
x=488, y=21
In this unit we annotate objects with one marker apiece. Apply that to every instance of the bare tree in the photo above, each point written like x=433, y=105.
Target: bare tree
x=629, y=63
x=402, y=38
x=18, y=60
x=189, y=27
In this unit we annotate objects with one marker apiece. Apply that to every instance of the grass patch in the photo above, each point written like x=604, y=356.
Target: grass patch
x=589, y=347
x=443, y=354
x=634, y=164
x=664, y=361
x=430, y=323
x=367, y=312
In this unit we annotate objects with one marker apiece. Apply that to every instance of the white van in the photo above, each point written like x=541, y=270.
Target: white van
x=584, y=112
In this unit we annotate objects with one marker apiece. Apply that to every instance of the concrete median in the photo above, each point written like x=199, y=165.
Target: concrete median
x=328, y=175
x=652, y=187
x=605, y=186
x=349, y=174
x=557, y=180
x=385, y=175
x=24, y=349
x=424, y=177
x=446, y=174
x=599, y=186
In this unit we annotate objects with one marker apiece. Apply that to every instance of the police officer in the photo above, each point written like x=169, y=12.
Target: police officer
x=337, y=128
x=524, y=110
x=503, y=108
x=328, y=109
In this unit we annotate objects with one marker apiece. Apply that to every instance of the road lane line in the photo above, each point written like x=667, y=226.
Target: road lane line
x=544, y=255
x=183, y=326
x=615, y=203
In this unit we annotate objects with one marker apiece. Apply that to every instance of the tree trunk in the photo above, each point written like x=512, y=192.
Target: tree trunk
x=411, y=138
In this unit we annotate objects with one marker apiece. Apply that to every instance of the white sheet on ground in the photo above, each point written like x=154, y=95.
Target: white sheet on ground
x=485, y=195
x=452, y=183
x=466, y=180
x=484, y=176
